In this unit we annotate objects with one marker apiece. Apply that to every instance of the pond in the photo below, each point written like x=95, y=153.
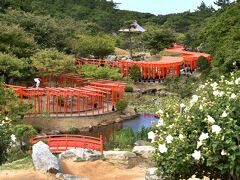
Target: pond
x=144, y=120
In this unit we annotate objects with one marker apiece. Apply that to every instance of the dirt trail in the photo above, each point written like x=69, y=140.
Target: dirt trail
x=29, y=174
x=101, y=170
x=94, y=170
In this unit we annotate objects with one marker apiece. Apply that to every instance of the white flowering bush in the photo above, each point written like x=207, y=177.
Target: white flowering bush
x=203, y=137
x=5, y=136
x=10, y=108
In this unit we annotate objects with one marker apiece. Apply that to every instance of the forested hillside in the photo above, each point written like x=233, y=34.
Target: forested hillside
x=101, y=12
x=220, y=36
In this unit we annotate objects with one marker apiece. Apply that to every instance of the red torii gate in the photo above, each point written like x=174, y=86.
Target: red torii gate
x=93, y=97
x=170, y=66
x=190, y=58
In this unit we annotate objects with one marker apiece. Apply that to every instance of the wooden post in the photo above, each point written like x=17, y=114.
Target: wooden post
x=101, y=144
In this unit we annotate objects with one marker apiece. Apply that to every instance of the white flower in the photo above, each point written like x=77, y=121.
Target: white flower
x=199, y=144
x=218, y=93
x=233, y=96
x=223, y=153
x=210, y=119
x=234, y=63
x=169, y=139
x=170, y=126
x=6, y=118
x=214, y=85
x=196, y=155
x=13, y=138
x=201, y=107
x=151, y=136
x=215, y=93
x=194, y=177
x=194, y=99
x=237, y=81
x=160, y=123
x=180, y=136
x=224, y=114
x=160, y=111
x=203, y=136
x=182, y=105
x=216, y=129
x=162, y=148
x=3, y=122
x=229, y=82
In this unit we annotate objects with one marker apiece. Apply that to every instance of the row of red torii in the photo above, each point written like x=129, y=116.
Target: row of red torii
x=85, y=97
x=169, y=66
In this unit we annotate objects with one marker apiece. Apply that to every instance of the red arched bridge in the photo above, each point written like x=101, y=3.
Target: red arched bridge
x=63, y=142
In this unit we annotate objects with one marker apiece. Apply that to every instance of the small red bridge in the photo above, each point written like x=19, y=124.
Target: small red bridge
x=64, y=142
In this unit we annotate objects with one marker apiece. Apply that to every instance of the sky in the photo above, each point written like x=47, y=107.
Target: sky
x=161, y=7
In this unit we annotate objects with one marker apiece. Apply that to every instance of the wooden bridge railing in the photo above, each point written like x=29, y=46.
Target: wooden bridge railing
x=63, y=142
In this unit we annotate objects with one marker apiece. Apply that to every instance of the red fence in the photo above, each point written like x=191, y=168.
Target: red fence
x=63, y=142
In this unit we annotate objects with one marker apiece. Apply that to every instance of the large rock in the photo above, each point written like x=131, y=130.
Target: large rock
x=122, y=158
x=151, y=174
x=80, y=154
x=144, y=151
x=43, y=159
x=142, y=143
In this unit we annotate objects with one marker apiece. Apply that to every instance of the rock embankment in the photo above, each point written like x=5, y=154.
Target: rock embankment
x=80, y=154
x=122, y=158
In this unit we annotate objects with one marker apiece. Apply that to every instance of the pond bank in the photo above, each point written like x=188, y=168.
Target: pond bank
x=84, y=124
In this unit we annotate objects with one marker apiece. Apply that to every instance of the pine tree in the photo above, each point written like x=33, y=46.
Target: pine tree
x=222, y=2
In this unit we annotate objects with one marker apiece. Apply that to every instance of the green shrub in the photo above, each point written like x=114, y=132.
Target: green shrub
x=50, y=62
x=15, y=153
x=183, y=86
x=9, y=110
x=135, y=73
x=124, y=138
x=14, y=40
x=128, y=89
x=167, y=53
x=98, y=45
x=38, y=128
x=23, y=133
x=202, y=63
x=96, y=72
x=73, y=130
x=121, y=105
x=142, y=134
x=204, y=138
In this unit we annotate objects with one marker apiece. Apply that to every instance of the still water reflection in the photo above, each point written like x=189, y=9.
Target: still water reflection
x=144, y=120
